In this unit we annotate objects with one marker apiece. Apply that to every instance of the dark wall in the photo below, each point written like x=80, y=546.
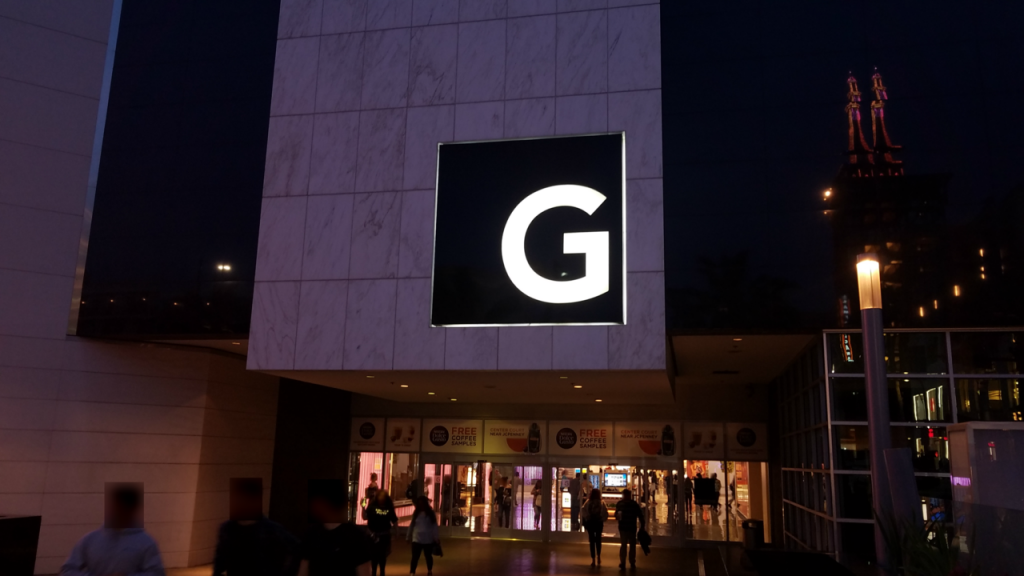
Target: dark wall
x=181, y=170
x=310, y=442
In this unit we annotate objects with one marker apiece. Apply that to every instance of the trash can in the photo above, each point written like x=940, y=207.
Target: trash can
x=753, y=534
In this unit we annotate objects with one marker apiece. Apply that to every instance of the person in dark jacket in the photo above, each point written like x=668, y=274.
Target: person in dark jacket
x=380, y=517
x=628, y=512
x=249, y=543
x=594, y=514
x=333, y=547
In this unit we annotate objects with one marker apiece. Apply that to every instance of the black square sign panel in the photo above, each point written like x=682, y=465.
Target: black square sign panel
x=530, y=232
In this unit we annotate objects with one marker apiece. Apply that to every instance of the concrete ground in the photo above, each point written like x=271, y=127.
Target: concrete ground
x=485, y=557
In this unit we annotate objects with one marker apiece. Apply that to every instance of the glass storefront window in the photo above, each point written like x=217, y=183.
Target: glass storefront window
x=987, y=352
x=916, y=352
x=403, y=484
x=997, y=400
x=849, y=402
x=919, y=400
x=845, y=353
x=929, y=447
x=854, y=491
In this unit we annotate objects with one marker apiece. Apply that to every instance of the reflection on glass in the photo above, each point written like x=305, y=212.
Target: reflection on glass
x=854, y=495
x=849, y=401
x=845, y=353
x=915, y=352
x=997, y=400
x=929, y=447
x=919, y=400
x=987, y=352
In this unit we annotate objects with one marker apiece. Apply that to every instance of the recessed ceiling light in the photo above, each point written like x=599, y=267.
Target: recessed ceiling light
x=430, y=393
x=404, y=385
x=454, y=399
x=563, y=377
x=236, y=343
x=737, y=339
x=368, y=376
x=598, y=400
x=577, y=386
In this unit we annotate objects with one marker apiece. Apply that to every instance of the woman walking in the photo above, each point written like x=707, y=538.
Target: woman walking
x=423, y=534
x=536, y=493
x=380, y=517
x=594, y=516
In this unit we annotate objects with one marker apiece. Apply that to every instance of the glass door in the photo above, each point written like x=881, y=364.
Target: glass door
x=517, y=500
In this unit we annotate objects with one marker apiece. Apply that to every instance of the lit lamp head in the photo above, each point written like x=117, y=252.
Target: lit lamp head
x=869, y=283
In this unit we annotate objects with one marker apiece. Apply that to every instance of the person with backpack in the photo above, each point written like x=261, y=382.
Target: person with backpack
x=594, y=514
x=380, y=517
x=424, y=535
x=628, y=513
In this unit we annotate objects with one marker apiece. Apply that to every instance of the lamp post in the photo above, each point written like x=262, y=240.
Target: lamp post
x=879, y=431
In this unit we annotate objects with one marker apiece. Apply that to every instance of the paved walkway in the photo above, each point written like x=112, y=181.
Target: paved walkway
x=484, y=557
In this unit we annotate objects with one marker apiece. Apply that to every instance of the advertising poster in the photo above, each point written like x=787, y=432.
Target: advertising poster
x=746, y=442
x=580, y=438
x=513, y=436
x=367, y=435
x=703, y=441
x=647, y=439
x=461, y=436
x=403, y=435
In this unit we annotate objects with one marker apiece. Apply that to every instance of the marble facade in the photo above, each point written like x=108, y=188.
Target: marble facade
x=363, y=93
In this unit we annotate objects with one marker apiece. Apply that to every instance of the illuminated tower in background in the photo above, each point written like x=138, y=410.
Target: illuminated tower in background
x=873, y=206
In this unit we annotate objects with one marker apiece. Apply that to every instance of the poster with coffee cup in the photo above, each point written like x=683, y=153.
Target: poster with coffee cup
x=581, y=438
x=459, y=436
x=647, y=439
x=367, y=435
x=703, y=441
x=746, y=441
x=403, y=435
x=513, y=437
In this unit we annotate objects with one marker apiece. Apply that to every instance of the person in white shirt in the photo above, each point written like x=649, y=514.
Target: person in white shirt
x=121, y=546
x=424, y=535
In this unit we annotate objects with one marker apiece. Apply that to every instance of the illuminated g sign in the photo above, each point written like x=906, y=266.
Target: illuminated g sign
x=530, y=232
x=593, y=245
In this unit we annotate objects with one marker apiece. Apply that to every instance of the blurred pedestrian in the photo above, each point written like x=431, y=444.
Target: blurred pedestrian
x=121, y=546
x=333, y=546
x=249, y=543
x=380, y=517
x=424, y=535
x=628, y=513
x=594, y=514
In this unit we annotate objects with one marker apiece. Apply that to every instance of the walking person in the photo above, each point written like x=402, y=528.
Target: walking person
x=505, y=503
x=628, y=513
x=537, y=502
x=687, y=496
x=380, y=517
x=574, y=502
x=333, y=546
x=121, y=546
x=718, y=491
x=249, y=543
x=424, y=535
x=595, y=514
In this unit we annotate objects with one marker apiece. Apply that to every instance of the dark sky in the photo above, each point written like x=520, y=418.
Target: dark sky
x=754, y=97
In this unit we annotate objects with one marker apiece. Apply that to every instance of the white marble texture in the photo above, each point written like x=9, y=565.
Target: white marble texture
x=426, y=12
x=639, y=115
x=579, y=348
x=340, y=77
x=386, y=69
x=574, y=5
x=483, y=121
x=481, y=65
x=320, y=337
x=385, y=94
x=531, y=7
x=471, y=348
x=483, y=9
x=586, y=114
x=530, y=64
x=420, y=346
x=417, y=236
x=332, y=168
x=289, y=144
x=328, y=238
x=634, y=48
x=279, y=249
x=432, y=65
x=524, y=348
x=295, y=70
x=381, y=150
x=645, y=226
x=582, y=53
x=299, y=18
x=425, y=128
x=375, y=231
x=533, y=117
x=370, y=324
x=384, y=14
x=275, y=308
x=343, y=16
x=640, y=344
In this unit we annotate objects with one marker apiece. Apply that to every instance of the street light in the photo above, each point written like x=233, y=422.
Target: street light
x=879, y=432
